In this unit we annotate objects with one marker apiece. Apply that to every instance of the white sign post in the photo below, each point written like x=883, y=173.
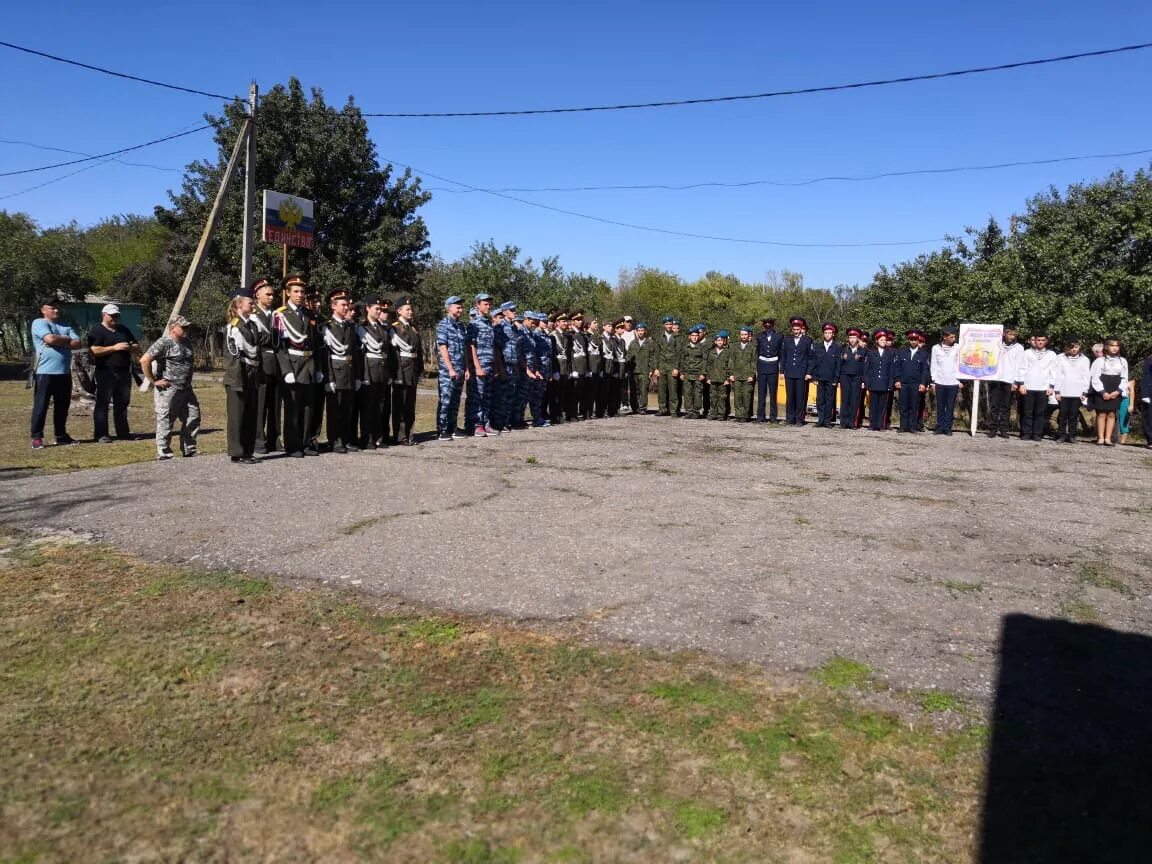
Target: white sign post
x=980, y=347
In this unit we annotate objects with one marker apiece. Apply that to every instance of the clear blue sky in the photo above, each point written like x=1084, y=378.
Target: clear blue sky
x=445, y=56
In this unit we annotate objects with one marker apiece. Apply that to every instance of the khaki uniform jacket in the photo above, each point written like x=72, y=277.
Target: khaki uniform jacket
x=742, y=360
x=692, y=360
x=641, y=356
x=717, y=366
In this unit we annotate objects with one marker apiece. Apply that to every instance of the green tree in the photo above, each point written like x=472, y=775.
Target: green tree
x=368, y=234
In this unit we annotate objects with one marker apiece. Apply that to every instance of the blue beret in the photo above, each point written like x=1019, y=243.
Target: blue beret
x=641, y=325
x=667, y=319
x=721, y=334
x=482, y=296
x=675, y=320
x=451, y=300
x=745, y=329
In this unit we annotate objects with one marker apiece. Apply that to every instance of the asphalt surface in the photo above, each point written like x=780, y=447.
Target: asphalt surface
x=783, y=546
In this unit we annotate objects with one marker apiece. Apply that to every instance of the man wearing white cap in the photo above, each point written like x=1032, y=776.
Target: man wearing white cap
x=111, y=345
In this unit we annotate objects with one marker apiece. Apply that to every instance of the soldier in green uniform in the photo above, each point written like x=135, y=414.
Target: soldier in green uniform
x=641, y=359
x=666, y=362
x=692, y=374
x=742, y=360
x=409, y=356
x=718, y=374
x=242, y=377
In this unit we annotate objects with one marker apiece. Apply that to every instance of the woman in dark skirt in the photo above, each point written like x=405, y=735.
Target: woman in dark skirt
x=1109, y=384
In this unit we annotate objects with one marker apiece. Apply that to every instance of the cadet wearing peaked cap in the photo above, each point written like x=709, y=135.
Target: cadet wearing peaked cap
x=825, y=370
x=409, y=348
x=241, y=377
x=769, y=343
x=795, y=363
x=296, y=345
x=692, y=373
x=641, y=359
x=852, y=357
x=269, y=398
x=878, y=380
x=910, y=374
x=374, y=335
x=666, y=350
x=343, y=377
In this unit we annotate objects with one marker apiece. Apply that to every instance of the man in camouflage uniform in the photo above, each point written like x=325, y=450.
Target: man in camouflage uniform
x=542, y=354
x=507, y=342
x=529, y=369
x=640, y=364
x=666, y=362
x=718, y=374
x=483, y=367
x=409, y=355
x=173, y=395
x=742, y=360
x=378, y=369
x=296, y=336
x=451, y=341
x=692, y=373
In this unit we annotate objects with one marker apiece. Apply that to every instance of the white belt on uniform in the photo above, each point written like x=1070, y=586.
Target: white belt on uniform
x=295, y=352
x=407, y=355
x=373, y=355
x=248, y=362
x=770, y=359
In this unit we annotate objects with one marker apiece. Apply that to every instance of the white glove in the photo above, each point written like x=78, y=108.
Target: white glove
x=319, y=377
x=289, y=378
x=575, y=374
x=331, y=388
x=359, y=384
x=1146, y=400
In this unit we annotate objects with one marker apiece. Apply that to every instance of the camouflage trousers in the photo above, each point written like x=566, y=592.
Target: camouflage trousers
x=530, y=394
x=693, y=396
x=478, y=401
x=504, y=400
x=448, y=408
x=172, y=405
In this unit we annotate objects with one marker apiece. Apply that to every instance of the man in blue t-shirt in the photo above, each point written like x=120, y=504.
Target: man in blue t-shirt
x=52, y=346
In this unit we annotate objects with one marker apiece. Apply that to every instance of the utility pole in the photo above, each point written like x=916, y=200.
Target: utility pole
x=249, y=187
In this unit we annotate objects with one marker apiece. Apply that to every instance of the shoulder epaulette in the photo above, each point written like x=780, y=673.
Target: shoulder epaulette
x=282, y=309
x=234, y=322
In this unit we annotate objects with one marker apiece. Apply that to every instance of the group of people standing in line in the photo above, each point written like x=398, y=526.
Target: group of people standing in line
x=289, y=367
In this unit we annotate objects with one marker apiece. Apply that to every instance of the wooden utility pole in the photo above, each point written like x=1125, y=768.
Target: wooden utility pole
x=249, y=187
x=213, y=217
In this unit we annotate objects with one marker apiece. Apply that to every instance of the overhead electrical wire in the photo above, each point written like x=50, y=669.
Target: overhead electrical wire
x=82, y=153
x=116, y=74
x=800, y=91
x=109, y=154
x=87, y=167
x=656, y=230
x=859, y=178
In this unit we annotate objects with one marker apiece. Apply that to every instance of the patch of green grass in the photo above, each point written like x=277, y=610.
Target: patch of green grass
x=532, y=460
x=1098, y=575
x=841, y=673
x=206, y=580
x=591, y=791
x=427, y=630
x=479, y=851
x=937, y=701
x=1079, y=611
x=695, y=820
x=706, y=692
x=955, y=588
x=68, y=809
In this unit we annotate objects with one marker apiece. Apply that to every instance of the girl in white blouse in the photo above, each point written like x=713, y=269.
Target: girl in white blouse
x=1110, y=383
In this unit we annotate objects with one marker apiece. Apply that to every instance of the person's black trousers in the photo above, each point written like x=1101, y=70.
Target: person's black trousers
x=297, y=400
x=58, y=390
x=766, y=384
x=403, y=411
x=341, y=423
x=796, y=391
x=825, y=402
x=909, y=407
x=946, y=406
x=268, y=414
x=242, y=419
x=1069, y=420
x=851, y=395
x=1033, y=414
x=113, y=386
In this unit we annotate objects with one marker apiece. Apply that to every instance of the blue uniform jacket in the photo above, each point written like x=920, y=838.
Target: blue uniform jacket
x=912, y=371
x=825, y=361
x=852, y=360
x=878, y=370
x=796, y=356
x=768, y=344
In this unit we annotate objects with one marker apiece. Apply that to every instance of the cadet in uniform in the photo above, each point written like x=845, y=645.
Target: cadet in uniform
x=483, y=366
x=529, y=370
x=795, y=363
x=718, y=374
x=594, y=347
x=542, y=351
x=295, y=346
x=378, y=369
x=878, y=380
x=409, y=358
x=342, y=374
x=268, y=401
x=313, y=300
x=451, y=340
x=692, y=360
x=578, y=358
x=826, y=370
x=910, y=372
x=768, y=346
x=666, y=361
x=641, y=356
x=561, y=384
x=242, y=377
x=743, y=359
x=852, y=359
x=507, y=343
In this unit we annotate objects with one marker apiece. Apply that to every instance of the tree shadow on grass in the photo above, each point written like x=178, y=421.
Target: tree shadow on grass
x=1069, y=775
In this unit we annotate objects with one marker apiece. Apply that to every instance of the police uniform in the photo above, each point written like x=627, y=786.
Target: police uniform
x=795, y=364
x=452, y=338
x=538, y=386
x=768, y=346
x=743, y=358
x=529, y=368
x=409, y=356
x=295, y=354
x=377, y=368
x=268, y=399
x=718, y=374
x=911, y=370
x=878, y=380
x=481, y=383
x=242, y=378
x=506, y=341
x=826, y=371
x=851, y=381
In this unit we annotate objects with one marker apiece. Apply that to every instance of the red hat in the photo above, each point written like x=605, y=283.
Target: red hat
x=828, y=325
x=855, y=331
x=797, y=321
x=880, y=331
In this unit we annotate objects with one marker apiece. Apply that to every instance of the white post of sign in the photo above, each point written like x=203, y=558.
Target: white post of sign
x=975, y=404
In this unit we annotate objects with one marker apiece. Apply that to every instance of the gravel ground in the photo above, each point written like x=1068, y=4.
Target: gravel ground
x=783, y=546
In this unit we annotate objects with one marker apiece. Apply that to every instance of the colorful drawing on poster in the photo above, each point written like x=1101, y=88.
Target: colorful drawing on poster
x=980, y=346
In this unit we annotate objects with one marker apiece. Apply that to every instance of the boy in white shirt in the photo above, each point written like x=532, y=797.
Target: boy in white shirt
x=1034, y=382
x=945, y=364
x=1003, y=387
x=1073, y=380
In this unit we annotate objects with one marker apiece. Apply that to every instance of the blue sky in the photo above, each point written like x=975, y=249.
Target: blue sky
x=446, y=56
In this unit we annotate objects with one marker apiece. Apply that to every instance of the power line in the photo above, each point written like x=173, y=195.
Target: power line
x=662, y=230
x=82, y=153
x=116, y=74
x=106, y=155
x=774, y=93
x=860, y=178
x=88, y=167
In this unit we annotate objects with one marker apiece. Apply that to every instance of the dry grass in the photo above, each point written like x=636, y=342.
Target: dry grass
x=161, y=714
